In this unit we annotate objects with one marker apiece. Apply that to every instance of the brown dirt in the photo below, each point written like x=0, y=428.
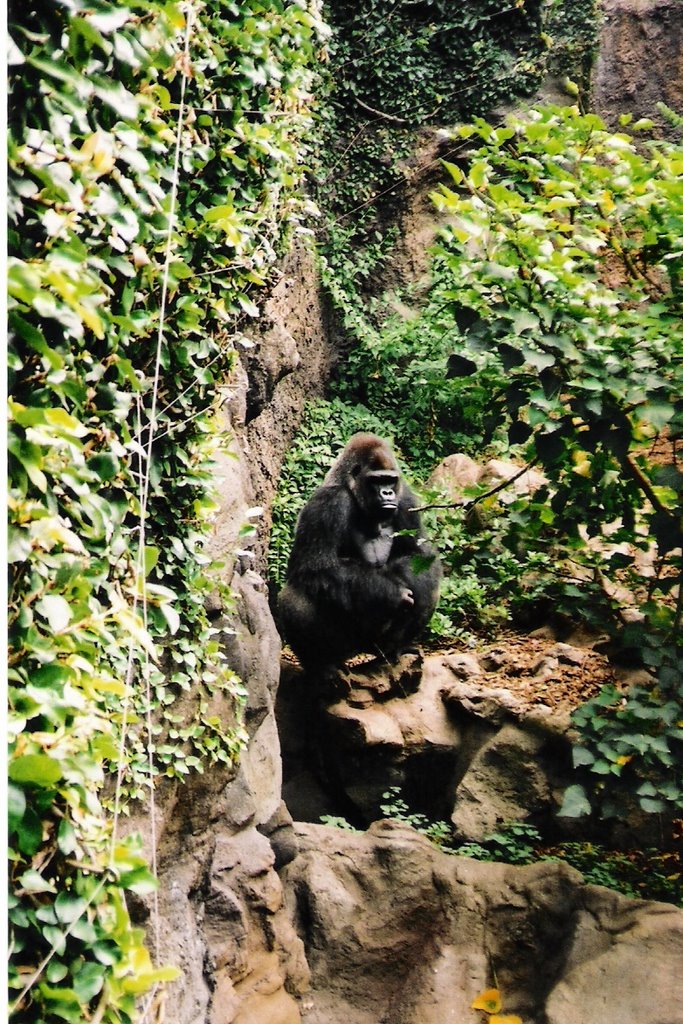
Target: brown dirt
x=533, y=672
x=535, y=668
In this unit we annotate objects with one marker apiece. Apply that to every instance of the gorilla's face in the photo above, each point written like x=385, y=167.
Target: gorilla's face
x=377, y=493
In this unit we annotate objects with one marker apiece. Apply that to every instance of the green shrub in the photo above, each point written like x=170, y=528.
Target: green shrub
x=107, y=570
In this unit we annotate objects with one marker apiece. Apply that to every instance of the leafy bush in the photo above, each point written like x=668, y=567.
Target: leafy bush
x=564, y=245
x=396, y=370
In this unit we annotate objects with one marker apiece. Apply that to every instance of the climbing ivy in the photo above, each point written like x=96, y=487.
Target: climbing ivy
x=114, y=421
x=396, y=67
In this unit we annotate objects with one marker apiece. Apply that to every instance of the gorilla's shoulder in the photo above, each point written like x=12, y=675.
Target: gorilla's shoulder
x=328, y=505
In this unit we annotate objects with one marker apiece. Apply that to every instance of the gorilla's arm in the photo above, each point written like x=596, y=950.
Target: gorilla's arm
x=323, y=563
x=409, y=544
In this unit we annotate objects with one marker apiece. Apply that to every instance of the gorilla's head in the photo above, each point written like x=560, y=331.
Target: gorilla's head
x=369, y=470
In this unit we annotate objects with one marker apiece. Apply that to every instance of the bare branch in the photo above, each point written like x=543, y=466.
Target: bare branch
x=469, y=505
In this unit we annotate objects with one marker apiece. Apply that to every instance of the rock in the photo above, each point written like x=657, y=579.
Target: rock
x=506, y=781
x=545, y=668
x=463, y=666
x=378, y=735
x=378, y=680
x=490, y=704
x=251, y=947
x=568, y=654
x=497, y=471
x=396, y=931
x=279, y=830
x=454, y=475
x=459, y=748
x=271, y=356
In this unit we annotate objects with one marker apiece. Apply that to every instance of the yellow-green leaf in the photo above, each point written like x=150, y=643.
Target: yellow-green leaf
x=489, y=1001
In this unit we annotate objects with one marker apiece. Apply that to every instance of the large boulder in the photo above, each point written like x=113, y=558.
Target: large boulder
x=398, y=932
x=455, y=739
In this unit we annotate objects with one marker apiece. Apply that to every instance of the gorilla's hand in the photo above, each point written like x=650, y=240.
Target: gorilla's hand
x=406, y=596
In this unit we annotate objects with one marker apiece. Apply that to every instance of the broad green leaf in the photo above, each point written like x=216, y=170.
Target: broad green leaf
x=69, y=907
x=575, y=803
x=56, y=610
x=35, y=769
x=88, y=980
x=16, y=805
x=33, y=881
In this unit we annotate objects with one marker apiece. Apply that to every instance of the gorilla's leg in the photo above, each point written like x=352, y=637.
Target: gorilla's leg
x=317, y=637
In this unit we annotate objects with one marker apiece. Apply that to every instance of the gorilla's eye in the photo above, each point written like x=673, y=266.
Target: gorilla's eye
x=355, y=472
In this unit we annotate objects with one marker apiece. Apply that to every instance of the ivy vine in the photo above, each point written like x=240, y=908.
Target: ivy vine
x=95, y=509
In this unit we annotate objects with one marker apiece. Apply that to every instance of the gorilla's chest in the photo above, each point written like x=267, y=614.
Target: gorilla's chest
x=374, y=550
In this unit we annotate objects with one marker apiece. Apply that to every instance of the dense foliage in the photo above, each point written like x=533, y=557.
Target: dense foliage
x=396, y=67
x=552, y=332
x=564, y=253
x=113, y=420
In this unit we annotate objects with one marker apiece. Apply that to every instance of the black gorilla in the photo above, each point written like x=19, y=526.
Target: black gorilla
x=361, y=577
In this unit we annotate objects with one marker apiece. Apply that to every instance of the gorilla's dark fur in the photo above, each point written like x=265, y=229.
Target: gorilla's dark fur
x=361, y=576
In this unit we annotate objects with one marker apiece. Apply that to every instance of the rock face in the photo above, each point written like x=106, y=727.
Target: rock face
x=459, y=746
x=397, y=932
x=220, y=835
x=640, y=61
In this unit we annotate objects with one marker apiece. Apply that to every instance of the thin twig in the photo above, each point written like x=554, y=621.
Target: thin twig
x=481, y=497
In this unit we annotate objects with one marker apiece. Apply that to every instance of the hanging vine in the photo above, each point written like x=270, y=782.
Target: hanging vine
x=94, y=107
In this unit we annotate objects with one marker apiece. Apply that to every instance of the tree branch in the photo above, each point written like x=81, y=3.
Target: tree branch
x=469, y=505
x=378, y=113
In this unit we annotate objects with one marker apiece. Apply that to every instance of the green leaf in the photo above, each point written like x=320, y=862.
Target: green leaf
x=69, y=908
x=575, y=803
x=106, y=465
x=657, y=412
x=539, y=360
x=151, y=558
x=35, y=770
x=581, y=756
x=33, y=881
x=652, y=806
x=29, y=833
x=66, y=837
x=16, y=805
x=56, y=610
x=88, y=980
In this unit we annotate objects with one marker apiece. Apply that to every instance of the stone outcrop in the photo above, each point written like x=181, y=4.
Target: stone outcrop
x=397, y=932
x=640, y=61
x=458, y=472
x=458, y=748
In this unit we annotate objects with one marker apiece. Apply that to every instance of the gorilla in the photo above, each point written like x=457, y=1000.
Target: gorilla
x=361, y=576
